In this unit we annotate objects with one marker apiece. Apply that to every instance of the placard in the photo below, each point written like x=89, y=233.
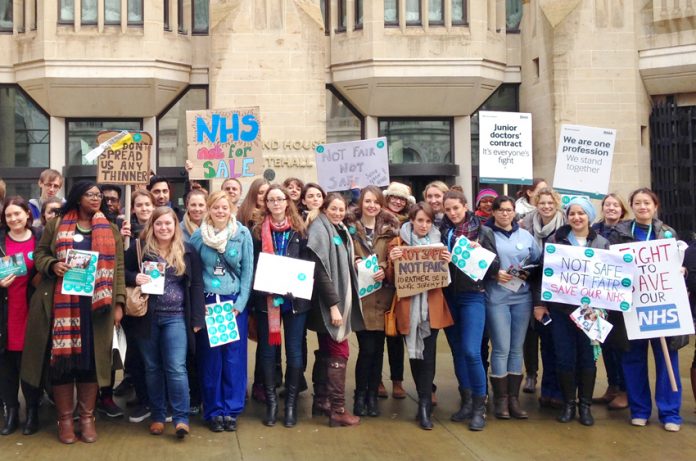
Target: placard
x=583, y=160
x=281, y=275
x=12, y=265
x=660, y=300
x=366, y=268
x=420, y=269
x=474, y=261
x=80, y=277
x=224, y=143
x=344, y=165
x=505, y=147
x=156, y=272
x=579, y=275
x=126, y=162
x=221, y=323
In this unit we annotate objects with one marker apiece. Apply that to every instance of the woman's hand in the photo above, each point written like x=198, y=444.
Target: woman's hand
x=60, y=268
x=118, y=314
x=379, y=275
x=142, y=279
x=503, y=276
x=197, y=329
x=445, y=255
x=336, y=319
x=396, y=253
x=540, y=312
x=188, y=166
x=474, y=244
x=7, y=281
x=126, y=229
x=235, y=312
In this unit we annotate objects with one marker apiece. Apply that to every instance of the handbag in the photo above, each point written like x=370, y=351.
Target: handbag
x=390, y=320
x=136, y=301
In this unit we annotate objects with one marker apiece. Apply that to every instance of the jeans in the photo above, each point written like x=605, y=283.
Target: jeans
x=164, y=354
x=368, y=369
x=423, y=371
x=573, y=348
x=468, y=310
x=635, y=366
x=294, y=328
x=507, y=327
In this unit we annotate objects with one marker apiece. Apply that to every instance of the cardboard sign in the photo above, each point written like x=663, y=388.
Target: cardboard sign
x=79, y=279
x=281, y=275
x=221, y=323
x=473, y=261
x=343, y=165
x=420, y=269
x=366, y=269
x=224, y=143
x=583, y=160
x=660, y=301
x=595, y=277
x=125, y=162
x=505, y=147
x=12, y=265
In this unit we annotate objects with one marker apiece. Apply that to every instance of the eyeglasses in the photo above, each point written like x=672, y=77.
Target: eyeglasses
x=397, y=199
x=93, y=195
x=275, y=200
x=505, y=210
x=111, y=199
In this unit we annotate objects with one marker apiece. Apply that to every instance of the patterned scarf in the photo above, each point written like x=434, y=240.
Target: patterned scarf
x=218, y=239
x=272, y=302
x=67, y=341
x=469, y=227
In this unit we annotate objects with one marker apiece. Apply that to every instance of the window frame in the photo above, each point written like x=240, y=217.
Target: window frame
x=166, y=18
x=394, y=23
x=9, y=30
x=62, y=21
x=420, y=15
x=359, y=13
x=193, y=19
x=139, y=23
x=341, y=15
x=327, y=16
x=441, y=21
x=180, y=15
x=82, y=17
x=116, y=22
x=464, y=21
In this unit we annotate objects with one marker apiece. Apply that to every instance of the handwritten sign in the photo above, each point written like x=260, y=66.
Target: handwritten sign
x=473, y=261
x=343, y=165
x=583, y=160
x=366, y=270
x=125, y=163
x=660, y=301
x=505, y=147
x=281, y=275
x=224, y=143
x=596, y=277
x=420, y=269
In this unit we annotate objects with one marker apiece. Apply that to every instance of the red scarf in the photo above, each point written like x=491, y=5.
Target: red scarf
x=267, y=227
x=67, y=341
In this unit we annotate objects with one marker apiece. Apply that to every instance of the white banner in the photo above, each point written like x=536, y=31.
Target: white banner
x=505, y=147
x=344, y=165
x=660, y=301
x=583, y=160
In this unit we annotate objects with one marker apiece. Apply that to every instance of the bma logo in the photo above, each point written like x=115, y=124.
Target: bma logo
x=665, y=317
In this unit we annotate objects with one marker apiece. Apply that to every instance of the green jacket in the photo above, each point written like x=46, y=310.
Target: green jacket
x=39, y=324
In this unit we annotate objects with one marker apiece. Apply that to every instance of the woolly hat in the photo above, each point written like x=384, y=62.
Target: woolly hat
x=586, y=205
x=485, y=193
x=396, y=189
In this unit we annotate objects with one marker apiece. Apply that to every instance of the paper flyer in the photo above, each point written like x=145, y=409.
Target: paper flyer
x=591, y=322
x=281, y=275
x=221, y=323
x=155, y=270
x=79, y=279
x=12, y=265
x=473, y=261
x=366, y=269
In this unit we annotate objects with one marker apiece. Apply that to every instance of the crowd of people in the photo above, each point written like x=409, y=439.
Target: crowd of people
x=61, y=344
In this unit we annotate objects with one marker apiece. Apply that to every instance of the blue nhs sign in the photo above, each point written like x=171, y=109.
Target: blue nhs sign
x=664, y=317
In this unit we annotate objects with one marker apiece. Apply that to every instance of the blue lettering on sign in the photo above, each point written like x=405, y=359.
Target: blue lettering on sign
x=223, y=127
x=664, y=317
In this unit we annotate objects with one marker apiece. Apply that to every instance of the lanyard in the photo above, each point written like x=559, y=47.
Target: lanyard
x=633, y=230
x=280, y=242
x=450, y=234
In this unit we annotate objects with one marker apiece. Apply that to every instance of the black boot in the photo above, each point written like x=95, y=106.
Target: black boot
x=31, y=425
x=269, y=389
x=585, y=390
x=566, y=380
x=424, y=406
x=11, y=420
x=292, y=378
x=478, y=417
x=360, y=403
x=500, y=397
x=371, y=401
x=466, y=410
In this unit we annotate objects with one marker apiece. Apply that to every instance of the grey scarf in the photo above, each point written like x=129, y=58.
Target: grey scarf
x=541, y=231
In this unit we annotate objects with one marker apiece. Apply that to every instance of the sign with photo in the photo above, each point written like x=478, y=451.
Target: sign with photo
x=79, y=279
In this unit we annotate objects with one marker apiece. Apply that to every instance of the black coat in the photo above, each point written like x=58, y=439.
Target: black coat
x=194, y=300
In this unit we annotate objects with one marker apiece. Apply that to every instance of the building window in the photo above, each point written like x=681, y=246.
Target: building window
x=391, y=12
x=112, y=12
x=458, y=12
x=171, y=127
x=135, y=12
x=82, y=136
x=181, y=27
x=358, y=14
x=436, y=12
x=325, y=6
x=413, y=12
x=89, y=12
x=167, y=26
x=513, y=13
x=343, y=122
x=342, y=13
x=418, y=141
x=200, y=16
x=6, y=15
x=66, y=11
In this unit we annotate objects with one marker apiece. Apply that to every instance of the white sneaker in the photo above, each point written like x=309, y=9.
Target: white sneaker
x=672, y=427
x=640, y=422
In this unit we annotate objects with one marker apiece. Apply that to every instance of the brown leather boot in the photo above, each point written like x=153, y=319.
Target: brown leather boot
x=336, y=374
x=86, y=401
x=398, y=391
x=514, y=383
x=609, y=395
x=63, y=396
x=500, y=397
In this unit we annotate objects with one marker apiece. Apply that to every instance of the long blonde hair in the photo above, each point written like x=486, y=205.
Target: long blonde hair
x=175, y=258
x=188, y=222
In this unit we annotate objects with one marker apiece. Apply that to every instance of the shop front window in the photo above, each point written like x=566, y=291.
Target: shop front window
x=418, y=141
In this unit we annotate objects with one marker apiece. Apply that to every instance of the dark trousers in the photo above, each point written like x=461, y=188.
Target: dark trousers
x=423, y=371
x=294, y=328
x=134, y=366
x=531, y=349
x=574, y=350
x=612, y=364
x=368, y=369
x=9, y=381
x=395, y=350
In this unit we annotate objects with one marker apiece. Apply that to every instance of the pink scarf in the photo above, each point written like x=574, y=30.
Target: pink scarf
x=267, y=227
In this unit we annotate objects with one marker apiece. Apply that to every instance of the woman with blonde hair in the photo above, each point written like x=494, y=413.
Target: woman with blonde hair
x=165, y=332
x=195, y=212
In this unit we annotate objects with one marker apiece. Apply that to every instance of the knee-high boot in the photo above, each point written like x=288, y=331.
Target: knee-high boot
x=585, y=390
x=64, y=398
x=336, y=373
x=514, y=384
x=500, y=397
x=566, y=380
x=320, y=401
x=292, y=388
x=86, y=400
x=269, y=388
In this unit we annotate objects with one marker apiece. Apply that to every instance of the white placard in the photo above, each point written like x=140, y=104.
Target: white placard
x=344, y=165
x=583, y=160
x=474, y=261
x=221, y=323
x=155, y=270
x=505, y=147
x=281, y=275
x=660, y=301
x=366, y=270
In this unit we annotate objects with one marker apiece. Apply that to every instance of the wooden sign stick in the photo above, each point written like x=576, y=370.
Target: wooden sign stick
x=668, y=363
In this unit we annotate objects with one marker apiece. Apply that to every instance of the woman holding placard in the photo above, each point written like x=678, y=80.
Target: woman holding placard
x=420, y=317
x=509, y=306
x=575, y=354
x=280, y=230
x=372, y=228
x=18, y=240
x=336, y=305
x=196, y=208
x=467, y=303
x=165, y=332
x=76, y=329
x=227, y=254
x=645, y=227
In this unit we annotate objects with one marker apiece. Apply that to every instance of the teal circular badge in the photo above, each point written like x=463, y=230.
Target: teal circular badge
x=209, y=311
x=219, y=319
x=229, y=317
x=455, y=259
x=89, y=278
x=78, y=288
x=222, y=328
x=370, y=289
x=589, y=252
x=483, y=264
x=352, y=230
x=565, y=200
x=550, y=249
x=215, y=283
x=585, y=300
x=368, y=264
x=466, y=255
x=626, y=282
x=624, y=306
x=301, y=277
x=224, y=338
x=137, y=137
x=461, y=263
x=363, y=292
x=668, y=235
x=548, y=272
x=320, y=149
x=378, y=285
x=628, y=258
x=214, y=340
x=337, y=240
x=68, y=286
x=376, y=268
x=547, y=295
x=380, y=144
x=210, y=321
x=212, y=330
x=218, y=309
x=233, y=252
x=155, y=274
x=234, y=335
x=458, y=250
x=30, y=255
x=278, y=301
x=227, y=307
